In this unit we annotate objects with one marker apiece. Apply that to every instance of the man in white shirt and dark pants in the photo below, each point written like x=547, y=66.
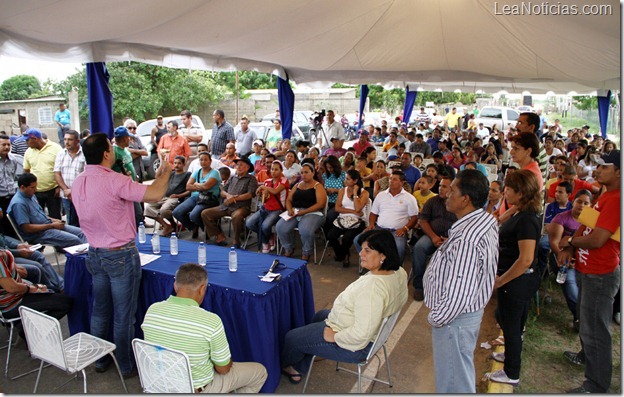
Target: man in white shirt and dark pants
x=459, y=282
x=394, y=209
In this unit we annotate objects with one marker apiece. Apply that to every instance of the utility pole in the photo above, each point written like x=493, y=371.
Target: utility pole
x=236, y=99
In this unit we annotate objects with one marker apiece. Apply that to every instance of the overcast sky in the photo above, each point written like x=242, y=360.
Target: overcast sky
x=43, y=70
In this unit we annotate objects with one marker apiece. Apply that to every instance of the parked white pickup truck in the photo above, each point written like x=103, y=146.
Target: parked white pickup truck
x=501, y=116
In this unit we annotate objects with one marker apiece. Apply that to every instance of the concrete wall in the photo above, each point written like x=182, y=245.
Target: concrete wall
x=9, y=122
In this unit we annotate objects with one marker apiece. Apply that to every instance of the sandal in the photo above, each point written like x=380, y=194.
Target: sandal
x=291, y=377
x=500, y=341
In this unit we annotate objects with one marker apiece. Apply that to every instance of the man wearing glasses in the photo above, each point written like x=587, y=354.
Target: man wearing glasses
x=136, y=149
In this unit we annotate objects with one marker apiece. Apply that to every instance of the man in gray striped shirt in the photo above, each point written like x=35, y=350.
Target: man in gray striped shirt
x=459, y=282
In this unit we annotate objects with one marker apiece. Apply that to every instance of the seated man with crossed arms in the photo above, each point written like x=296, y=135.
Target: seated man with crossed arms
x=180, y=323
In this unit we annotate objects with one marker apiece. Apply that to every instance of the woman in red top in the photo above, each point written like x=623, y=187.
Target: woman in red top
x=524, y=151
x=273, y=194
x=458, y=159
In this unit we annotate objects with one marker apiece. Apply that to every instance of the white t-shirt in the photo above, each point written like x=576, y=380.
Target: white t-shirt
x=394, y=212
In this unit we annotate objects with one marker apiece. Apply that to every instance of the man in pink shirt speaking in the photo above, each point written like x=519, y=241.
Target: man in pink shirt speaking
x=104, y=202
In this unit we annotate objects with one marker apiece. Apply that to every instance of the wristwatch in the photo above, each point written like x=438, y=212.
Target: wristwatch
x=570, y=242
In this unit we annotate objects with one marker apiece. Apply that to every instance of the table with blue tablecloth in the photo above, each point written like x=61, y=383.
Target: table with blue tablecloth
x=256, y=315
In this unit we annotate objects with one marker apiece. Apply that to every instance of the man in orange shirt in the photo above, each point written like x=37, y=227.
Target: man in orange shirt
x=229, y=157
x=173, y=144
x=265, y=173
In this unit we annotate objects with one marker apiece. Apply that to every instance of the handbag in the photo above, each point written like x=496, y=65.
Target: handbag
x=208, y=199
x=347, y=222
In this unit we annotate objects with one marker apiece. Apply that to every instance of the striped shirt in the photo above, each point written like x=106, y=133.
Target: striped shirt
x=460, y=276
x=69, y=166
x=7, y=269
x=180, y=324
x=8, y=175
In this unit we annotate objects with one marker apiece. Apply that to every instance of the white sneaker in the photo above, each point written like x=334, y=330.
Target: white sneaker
x=501, y=377
x=265, y=248
x=500, y=357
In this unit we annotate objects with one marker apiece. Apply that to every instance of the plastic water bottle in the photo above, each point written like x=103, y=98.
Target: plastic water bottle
x=173, y=244
x=201, y=254
x=142, y=238
x=233, y=260
x=156, y=243
x=562, y=274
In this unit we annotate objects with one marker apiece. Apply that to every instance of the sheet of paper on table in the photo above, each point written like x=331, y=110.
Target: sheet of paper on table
x=77, y=249
x=269, y=277
x=147, y=258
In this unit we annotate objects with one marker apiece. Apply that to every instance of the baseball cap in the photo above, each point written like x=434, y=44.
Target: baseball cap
x=159, y=116
x=121, y=131
x=33, y=133
x=334, y=138
x=612, y=158
x=258, y=142
x=362, y=131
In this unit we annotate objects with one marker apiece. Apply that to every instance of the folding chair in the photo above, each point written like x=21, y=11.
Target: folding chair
x=10, y=324
x=19, y=236
x=72, y=355
x=380, y=342
x=162, y=370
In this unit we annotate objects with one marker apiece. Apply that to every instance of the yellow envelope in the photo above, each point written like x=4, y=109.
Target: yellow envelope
x=589, y=217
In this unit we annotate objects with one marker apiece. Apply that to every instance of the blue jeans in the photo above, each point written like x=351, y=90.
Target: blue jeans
x=33, y=272
x=68, y=237
x=49, y=276
x=453, y=353
x=268, y=219
x=401, y=243
x=70, y=213
x=595, y=302
x=308, y=225
x=423, y=248
x=116, y=279
x=189, y=213
x=571, y=291
x=304, y=342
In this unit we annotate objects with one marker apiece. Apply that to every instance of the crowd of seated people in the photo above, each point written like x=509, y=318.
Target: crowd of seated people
x=275, y=189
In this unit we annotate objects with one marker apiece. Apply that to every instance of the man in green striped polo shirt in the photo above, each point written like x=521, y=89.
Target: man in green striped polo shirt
x=180, y=323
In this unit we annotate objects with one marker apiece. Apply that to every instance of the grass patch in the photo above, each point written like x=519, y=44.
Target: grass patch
x=544, y=369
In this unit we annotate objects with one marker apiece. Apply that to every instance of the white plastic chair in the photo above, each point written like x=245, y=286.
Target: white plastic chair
x=72, y=355
x=162, y=370
x=380, y=342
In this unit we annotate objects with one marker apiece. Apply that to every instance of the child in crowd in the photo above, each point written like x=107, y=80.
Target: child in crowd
x=225, y=173
x=423, y=190
x=418, y=162
x=561, y=203
x=365, y=172
x=432, y=171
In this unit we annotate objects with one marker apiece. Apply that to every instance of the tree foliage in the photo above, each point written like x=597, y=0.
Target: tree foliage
x=393, y=99
x=142, y=91
x=20, y=87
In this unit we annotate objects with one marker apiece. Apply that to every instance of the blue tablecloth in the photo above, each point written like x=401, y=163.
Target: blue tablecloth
x=256, y=315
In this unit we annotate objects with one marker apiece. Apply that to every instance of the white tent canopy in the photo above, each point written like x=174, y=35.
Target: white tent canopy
x=426, y=44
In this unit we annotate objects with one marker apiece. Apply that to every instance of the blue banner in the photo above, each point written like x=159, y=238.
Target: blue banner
x=100, y=99
x=603, y=112
x=410, y=99
x=363, y=96
x=286, y=99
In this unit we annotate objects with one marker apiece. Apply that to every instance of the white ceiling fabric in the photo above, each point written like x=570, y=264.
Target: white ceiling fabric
x=430, y=44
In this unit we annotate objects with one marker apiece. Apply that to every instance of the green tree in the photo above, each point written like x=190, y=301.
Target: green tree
x=142, y=91
x=20, y=87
